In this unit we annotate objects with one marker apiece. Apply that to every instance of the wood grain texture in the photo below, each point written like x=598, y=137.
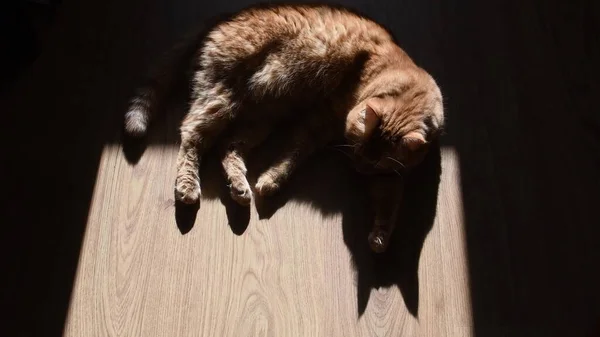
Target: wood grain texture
x=291, y=275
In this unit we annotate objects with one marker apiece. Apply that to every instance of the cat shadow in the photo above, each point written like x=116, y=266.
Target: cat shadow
x=328, y=184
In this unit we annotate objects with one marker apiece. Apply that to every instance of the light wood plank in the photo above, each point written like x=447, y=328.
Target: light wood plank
x=291, y=275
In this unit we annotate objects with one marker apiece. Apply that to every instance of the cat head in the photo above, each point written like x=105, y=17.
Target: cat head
x=392, y=129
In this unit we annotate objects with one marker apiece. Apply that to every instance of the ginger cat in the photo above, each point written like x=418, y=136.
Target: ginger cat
x=328, y=73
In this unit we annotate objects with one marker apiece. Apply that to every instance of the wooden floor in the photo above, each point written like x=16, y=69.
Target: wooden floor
x=290, y=275
x=499, y=235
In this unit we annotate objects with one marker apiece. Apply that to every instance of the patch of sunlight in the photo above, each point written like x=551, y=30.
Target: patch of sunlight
x=450, y=224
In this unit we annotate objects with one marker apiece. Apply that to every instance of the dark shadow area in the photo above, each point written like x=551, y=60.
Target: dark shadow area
x=24, y=27
x=185, y=216
x=520, y=86
x=134, y=148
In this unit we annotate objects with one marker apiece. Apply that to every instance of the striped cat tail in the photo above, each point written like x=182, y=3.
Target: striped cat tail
x=172, y=70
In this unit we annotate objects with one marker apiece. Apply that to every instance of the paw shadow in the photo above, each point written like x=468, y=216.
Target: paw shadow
x=185, y=216
x=214, y=186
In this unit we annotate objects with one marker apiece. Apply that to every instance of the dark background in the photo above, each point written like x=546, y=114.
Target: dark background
x=520, y=80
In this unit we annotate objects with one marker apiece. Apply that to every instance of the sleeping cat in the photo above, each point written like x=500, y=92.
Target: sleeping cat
x=325, y=71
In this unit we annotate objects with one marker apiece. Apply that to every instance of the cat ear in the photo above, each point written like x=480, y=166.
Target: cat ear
x=414, y=141
x=370, y=120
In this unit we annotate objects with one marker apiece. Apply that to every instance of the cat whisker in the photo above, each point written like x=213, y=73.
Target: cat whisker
x=397, y=162
x=346, y=154
x=345, y=145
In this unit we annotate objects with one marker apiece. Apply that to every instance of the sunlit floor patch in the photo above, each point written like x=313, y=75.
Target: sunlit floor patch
x=291, y=275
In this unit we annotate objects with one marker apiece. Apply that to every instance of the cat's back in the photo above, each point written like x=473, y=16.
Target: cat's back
x=318, y=29
x=309, y=20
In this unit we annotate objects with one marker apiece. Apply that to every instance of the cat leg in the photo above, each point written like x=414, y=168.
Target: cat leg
x=234, y=154
x=386, y=197
x=206, y=119
x=301, y=144
x=277, y=174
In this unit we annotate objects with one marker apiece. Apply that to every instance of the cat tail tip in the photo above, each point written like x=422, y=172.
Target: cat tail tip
x=136, y=122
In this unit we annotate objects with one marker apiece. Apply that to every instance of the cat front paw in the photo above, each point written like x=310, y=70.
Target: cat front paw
x=241, y=193
x=266, y=186
x=187, y=191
